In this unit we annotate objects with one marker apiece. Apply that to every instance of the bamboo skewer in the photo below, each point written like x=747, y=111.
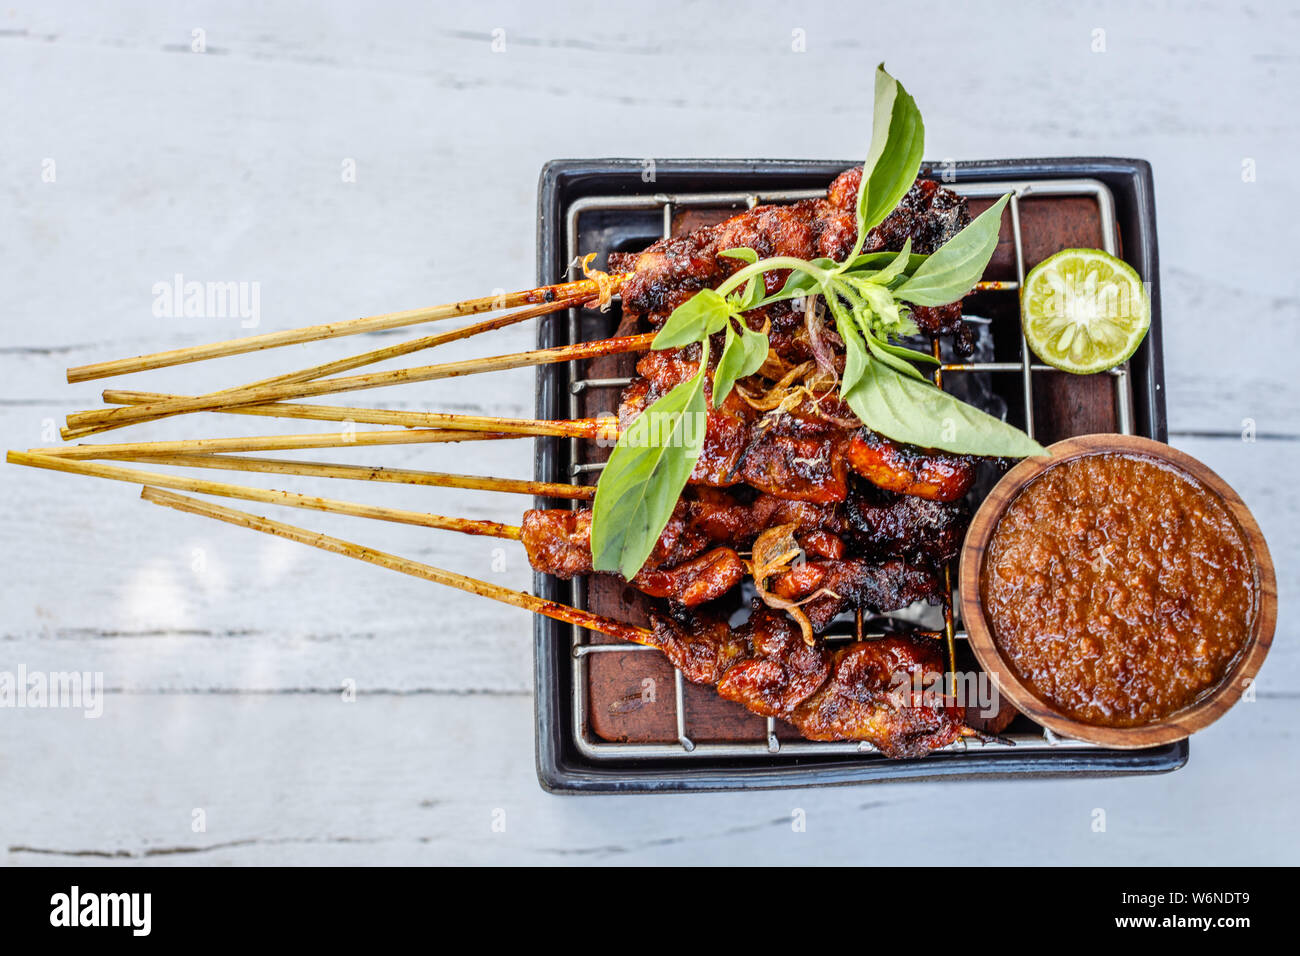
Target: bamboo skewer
x=585, y=288
x=349, y=383
x=266, y=496
x=138, y=449
x=565, y=428
x=403, y=476
x=529, y=602
x=352, y=362
x=424, y=342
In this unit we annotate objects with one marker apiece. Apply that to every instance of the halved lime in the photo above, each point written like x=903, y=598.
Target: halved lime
x=1084, y=311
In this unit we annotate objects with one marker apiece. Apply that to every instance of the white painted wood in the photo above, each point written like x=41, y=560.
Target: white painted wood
x=417, y=779
x=223, y=651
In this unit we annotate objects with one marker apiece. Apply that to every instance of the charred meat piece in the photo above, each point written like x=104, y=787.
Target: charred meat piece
x=856, y=583
x=724, y=519
x=558, y=541
x=672, y=270
x=793, y=455
x=945, y=320
x=763, y=664
x=937, y=319
x=803, y=469
x=820, y=543
x=696, y=581
x=924, y=472
x=866, y=691
x=872, y=695
x=702, y=649
x=886, y=524
x=928, y=214
x=798, y=455
x=782, y=671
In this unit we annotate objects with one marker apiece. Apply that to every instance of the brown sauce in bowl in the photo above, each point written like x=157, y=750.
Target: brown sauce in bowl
x=1119, y=589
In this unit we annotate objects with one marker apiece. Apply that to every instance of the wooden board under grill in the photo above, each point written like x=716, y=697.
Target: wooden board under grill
x=631, y=695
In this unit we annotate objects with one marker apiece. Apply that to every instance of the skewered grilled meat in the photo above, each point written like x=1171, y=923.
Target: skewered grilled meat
x=673, y=269
x=558, y=541
x=799, y=459
x=860, y=692
x=869, y=697
x=798, y=453
x=923, y=472
x=725, y=518
x=886, y=524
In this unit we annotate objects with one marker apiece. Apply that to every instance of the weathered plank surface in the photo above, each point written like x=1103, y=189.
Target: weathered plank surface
x=224, y=651
x=421, y=779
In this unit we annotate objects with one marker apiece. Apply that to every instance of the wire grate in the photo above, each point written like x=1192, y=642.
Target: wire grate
x=582, y=649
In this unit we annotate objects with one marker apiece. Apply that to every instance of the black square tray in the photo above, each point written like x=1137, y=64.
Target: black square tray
x=561, y=764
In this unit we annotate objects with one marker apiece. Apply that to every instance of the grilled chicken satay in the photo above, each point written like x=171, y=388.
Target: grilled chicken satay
x=800, y=455
x=864, y=691
x=690, y=567
x=671, y=270
x=681, y=567
x=803, y=453
x=558, y=540
x=694, y=560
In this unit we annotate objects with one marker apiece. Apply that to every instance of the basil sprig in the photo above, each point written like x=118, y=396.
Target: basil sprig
x=870, y=296
x=645, y=475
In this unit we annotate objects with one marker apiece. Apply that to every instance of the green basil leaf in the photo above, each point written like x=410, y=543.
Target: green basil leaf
x=918, y=413
x=896, y=362
x=725, y=375
x=953, y=270
x=644, y=478
x=912, y=355
x=742, y=355
x=872, y=260
x=897, y=142
x=756, y=346
x=855, y=359
x=751, y=297
x=697, y=318
x=895, y=268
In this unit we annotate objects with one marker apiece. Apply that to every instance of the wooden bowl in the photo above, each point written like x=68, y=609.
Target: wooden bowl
x=1178, y=725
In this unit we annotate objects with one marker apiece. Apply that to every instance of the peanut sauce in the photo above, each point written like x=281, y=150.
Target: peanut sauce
x=1119, y=589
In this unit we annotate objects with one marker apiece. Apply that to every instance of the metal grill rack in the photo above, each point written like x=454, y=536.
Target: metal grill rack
x=582, y=649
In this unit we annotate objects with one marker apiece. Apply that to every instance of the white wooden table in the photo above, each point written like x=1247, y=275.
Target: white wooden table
x=223, y=652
